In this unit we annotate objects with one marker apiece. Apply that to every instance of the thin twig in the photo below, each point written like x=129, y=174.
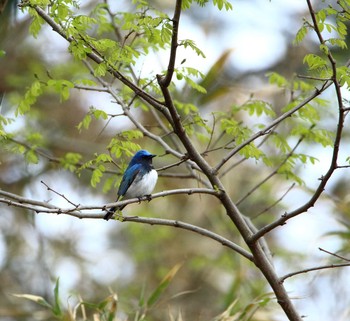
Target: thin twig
x=273, y=173
x=172, y=165
x=244, y=159
x=59, y=194
x=322, y=267
x=334, y=254
x=89, y=88
x=313, y=78
x=269, y=127
x=276, y=202
x=211, y=134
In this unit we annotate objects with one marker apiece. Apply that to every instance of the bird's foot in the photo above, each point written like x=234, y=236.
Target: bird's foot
x=148, y=197
x=119, y=216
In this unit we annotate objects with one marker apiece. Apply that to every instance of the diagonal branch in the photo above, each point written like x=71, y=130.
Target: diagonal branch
x=334, y=254
x=99, y=59
x=192, y=166
x=273, y=173
x=322, y=267
x=193, y=228
x=269, y=127
x=336, y=145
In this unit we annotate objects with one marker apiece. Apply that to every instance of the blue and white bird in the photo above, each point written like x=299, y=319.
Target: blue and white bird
x=139, y=180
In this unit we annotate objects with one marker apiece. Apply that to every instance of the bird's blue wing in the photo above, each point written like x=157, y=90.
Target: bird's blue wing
x=128, y=177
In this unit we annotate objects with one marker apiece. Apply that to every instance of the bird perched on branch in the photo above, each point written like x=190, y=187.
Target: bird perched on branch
x=139, y=180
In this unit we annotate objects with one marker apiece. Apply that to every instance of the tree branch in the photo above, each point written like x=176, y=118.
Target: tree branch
x=268, y=128
x=99, y=59
x=273, y=173
x=322, y=267
x=190, y=227
x=334, y=254
x=59, y=194
x=261, y=259
x=165, y=81
x=146, y=132
x=45, y=207
x=333, y=164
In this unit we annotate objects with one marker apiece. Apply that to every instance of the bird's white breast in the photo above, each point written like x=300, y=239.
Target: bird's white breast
x=142, y=186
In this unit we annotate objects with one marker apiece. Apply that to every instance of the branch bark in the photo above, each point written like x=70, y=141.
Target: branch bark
x=76, y=211
x=261, y=259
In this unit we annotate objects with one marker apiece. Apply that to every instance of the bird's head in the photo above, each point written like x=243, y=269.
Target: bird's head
x=142, y=156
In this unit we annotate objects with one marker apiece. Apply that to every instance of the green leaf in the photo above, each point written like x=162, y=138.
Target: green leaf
x=85, y=123
x=302, y=32
x=97, y=175
x=100, y=70
x=35, y=138
x=106, y=158
x=235, y=129
x=288, y=168
x=36, y=23
x=70, y=161
x=195, y=86
x=34, y=298
x=324, y=49
x=341, y=28
x=309, y=113
x=79, y=49
x=190, y=43
x=316, y=135
x=314, y=61
x=56, y=310
x=100, y=114
x=259, y=107
x=83, y=23
x=31, y=156
x=154, y=297
x=61, y=86
x=30, y=98
x=123, y=143
x=277, y=79
x=251, y=151
x=223, y=4
x=338, y=42
x=185, y=108
x=281, y=143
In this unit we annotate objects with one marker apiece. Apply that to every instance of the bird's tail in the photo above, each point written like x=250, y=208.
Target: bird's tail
x=111, y=211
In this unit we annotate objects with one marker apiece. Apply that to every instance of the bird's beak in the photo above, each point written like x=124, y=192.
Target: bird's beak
x=153, y=155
